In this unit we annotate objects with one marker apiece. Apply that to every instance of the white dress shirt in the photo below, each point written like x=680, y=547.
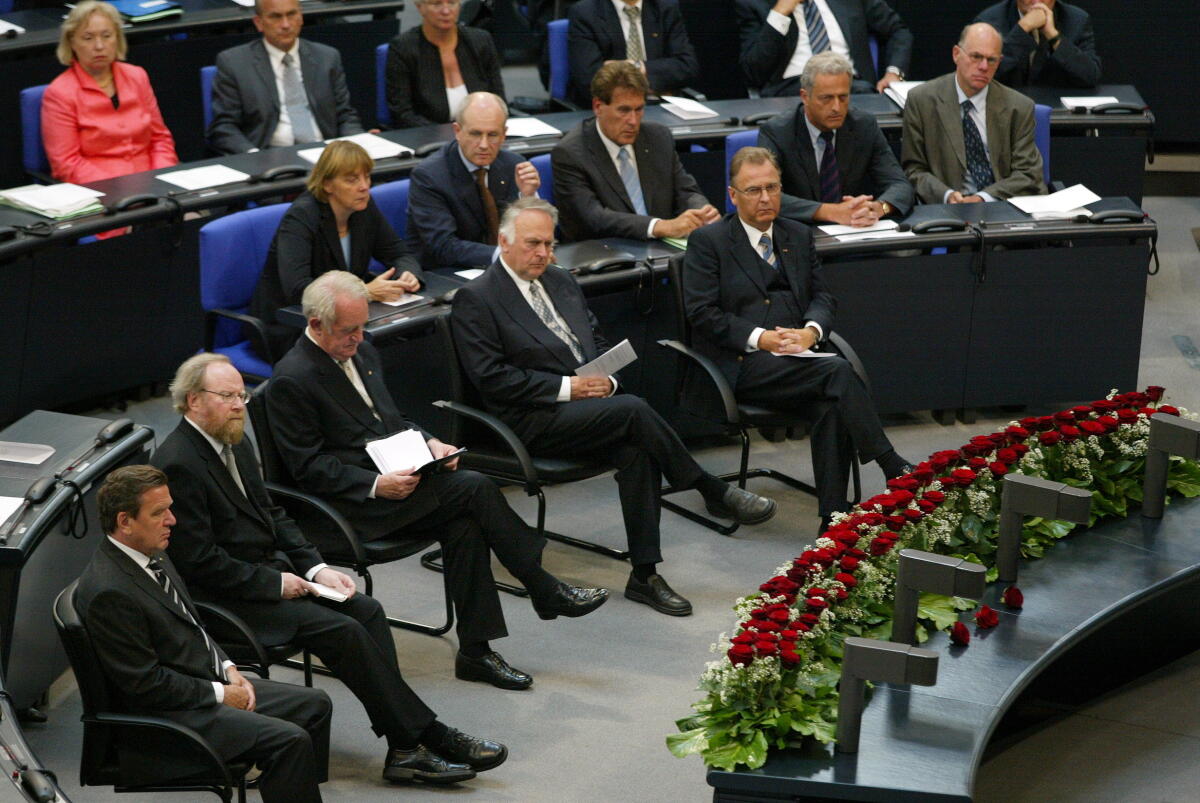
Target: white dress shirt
x=803, y=51
x=978, y=115
x=564, y=390
x=614, y=149
x=754, y=235
x=219, y=447
x=620, y=5
x=283, y=131
x=814, y=134
x=143, y=560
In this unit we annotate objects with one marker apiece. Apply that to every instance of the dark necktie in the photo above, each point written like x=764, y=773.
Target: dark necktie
x=818, y=38
x=831, y=177
x=490, y=213
x=156, y=567
x=978, y=166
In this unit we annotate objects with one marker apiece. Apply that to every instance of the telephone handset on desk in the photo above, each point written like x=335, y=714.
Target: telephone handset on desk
x=1117, y=216
x=938, y=224
x=38, y=492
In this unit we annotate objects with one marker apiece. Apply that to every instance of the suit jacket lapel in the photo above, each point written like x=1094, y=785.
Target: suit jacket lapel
x=846, y=152
x=808, y=156
x=145, y=583
x=335, y=382
x=995, y=115
x=266, y=76
x=746, y=257
x=219, y=473
x=788, y=258
x=950, y=116
x=310, y=70
x=514, y=303
x=463, y=184
x=655, y=194
x=575, y=315
x=605, y=164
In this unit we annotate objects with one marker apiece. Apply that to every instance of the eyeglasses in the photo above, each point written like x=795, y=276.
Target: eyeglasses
x=975, y=58
x=228, y=396
x=754, y=192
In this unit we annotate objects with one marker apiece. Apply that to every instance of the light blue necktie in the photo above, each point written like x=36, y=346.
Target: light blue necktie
x=765, y=250
x=629, y=178
x=304, y=128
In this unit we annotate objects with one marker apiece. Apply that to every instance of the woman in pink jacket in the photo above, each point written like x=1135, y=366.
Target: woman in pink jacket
x=99, y=117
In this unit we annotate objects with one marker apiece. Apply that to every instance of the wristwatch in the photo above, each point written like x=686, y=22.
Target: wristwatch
x=886, y=209
x=896, y=70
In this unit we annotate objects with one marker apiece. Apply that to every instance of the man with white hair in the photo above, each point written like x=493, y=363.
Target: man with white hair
x=522, y=328
x=458, y=194
x=836, y=165
x=326, y=400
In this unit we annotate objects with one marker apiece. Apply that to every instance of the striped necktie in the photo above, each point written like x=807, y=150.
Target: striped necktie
x=160, y=574
x=542, y=308
x=818, y=38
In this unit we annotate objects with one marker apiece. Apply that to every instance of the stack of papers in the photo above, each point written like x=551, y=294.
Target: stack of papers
x=1066, y=203
x=529, y=127
x=376, y=147
x=147, y=10
x=405, y=450
x=686, y=108
x=58, y=201
x=838, y=229
x=199, y=178
x=1087, y=102
x=610, y=361
x=404, y=300
x=10, y=29
x=898, y=90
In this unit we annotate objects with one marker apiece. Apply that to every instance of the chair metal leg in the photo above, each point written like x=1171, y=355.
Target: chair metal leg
x=590, y=546
x=419, y=627
x=306, y=666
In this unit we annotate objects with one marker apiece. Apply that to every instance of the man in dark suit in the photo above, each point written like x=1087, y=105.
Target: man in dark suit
x=1046, y=43
x=615, y=176
x=279, y=90
x=966, y=137
x=754, y=295
x=326, y=400
x=235, y=548
x=158, y=659
x=647, y=33
x=779, y=36
x=522, y=328
x=458, y=194
x=836, y=165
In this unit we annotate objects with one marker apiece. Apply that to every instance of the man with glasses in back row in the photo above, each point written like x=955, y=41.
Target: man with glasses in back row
x=968, y=138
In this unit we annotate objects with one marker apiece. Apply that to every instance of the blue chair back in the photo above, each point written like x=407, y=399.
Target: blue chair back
x=873, y=45
x=208, y=74
x=6, y=6
x=383, y=115
x=733, y=144
x=33, y=153
x=560, y=68
x=542, y=163
x=1041, y=137
x=233, y=250
x=392, y=200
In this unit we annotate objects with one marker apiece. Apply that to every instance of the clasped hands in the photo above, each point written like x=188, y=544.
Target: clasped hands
x=295, y=586
x=400, y=484
x=384, y=288
x=783, y=340
x=957, y=197
x=1039, y=17
x=859, y=211
x=590, y=387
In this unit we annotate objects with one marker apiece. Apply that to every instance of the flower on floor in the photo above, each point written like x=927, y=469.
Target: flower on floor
x=774, y=682
x=986, y=617
x=1013, y=598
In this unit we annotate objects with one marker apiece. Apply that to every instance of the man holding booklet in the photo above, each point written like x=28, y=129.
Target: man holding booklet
x=524, y=334
x=234, y=547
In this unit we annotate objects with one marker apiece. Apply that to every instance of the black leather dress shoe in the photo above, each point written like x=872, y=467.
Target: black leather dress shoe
x=492, y=669
x=568, y=600
x=422, y=764
x=479, y=754
x=658, y=595
x=742, y=506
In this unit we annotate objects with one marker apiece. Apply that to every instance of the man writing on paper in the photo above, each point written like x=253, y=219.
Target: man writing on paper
x=279, y=90
x=458, y=194
x=326, y=400
x=521, y=329
x=968, y=138
x=753, y=290
x=236, y=548
x=837, y=166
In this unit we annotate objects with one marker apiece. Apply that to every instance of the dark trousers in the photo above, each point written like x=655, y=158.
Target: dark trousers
x=354, y=640
x=849, y=423
x=471, y=521
x=625, y=433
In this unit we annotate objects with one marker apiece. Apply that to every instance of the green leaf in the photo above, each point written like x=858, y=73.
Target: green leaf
x=972, y=527
x=937, y=609
x=756, y=752
x=687, y=743
x=727, y=756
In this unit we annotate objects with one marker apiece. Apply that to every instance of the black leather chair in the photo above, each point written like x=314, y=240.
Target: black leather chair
x=703, y=391
x=495, y=450
x=104, y=728
x=326, y=528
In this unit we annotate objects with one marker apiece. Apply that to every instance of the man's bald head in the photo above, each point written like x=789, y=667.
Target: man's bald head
x=976, y=57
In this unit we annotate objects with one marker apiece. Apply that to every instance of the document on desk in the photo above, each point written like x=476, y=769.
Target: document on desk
x=1086, y=102
x=9, y=506
x=405, y=449
x=1061, y=204
x=610, y=361
x=686, y=108
x=469, y=273
x=529, y=127
x=837, y=229
x=58, y=201
x=405, y=300
x=201, y=178
x=898, y=90
x=376, y=147
x=31, y=454
x=6, y=27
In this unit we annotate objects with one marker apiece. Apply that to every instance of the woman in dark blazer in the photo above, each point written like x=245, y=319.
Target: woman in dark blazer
x=440, y=61
x=333, y=225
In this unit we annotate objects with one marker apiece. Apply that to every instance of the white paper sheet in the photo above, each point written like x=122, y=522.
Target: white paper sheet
x=882, y=234
x=199, y=178
x=529, y=127
x=404, y=300
x=376, y=147
x=406, y=449
x=8, y=506
x=1087, y=102
x=686, y=108
x=327, y=592
x=836, y=228
x=31, y=454
x=810, y=354
x=53, y=200
x=6, y=26
x=610, y=361
x=469, y=273
x=898, y=90
x=1061, y=201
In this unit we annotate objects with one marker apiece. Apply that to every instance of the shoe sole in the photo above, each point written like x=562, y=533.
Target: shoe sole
x=440, y=778
x=723, y=513
x=492, y=681
x=647, y=600
x=548, y=615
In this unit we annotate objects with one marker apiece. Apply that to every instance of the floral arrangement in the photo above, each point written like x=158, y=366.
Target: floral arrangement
x=775, y=683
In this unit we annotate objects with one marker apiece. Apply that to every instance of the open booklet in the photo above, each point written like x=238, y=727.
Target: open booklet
x=404, y=450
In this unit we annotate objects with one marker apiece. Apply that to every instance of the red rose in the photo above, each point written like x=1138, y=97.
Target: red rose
x=1070, y=433
x=815, y=592
x=881, y=546
x=923, y=474
x=913, y=515
x=741, y=654
x=896, y=523
x=779, y=616
x=801, y=627
x=1049, y=438
x=902, y=497
x=809, y=619
x=789, y=636
x=1108, y=422
x=977, y=463
x=1020, y=448
x=765, y=648
x=959, y=634
x=937, y=497
x=855, y=552
x=849, y=563
x=1081, y=411
x=816, y=604
x=842, y=593
x=1168, y=409
x=1007, y=455
x=1030, y=422
x=1045, y=423
x=926, y=506
x=969, y=450
x=1092, y=427
x=906, y=483
x=998, y=468
x=848, y=580
x=745, y=637
x=1064, y=416
x=963, y=476
x=986, y=618
x=789, y=658
x=1012, y=597
x=1148, y=410
x=1155, y=392
x=1016, y=434
x=767, y=626
x=1104, y=406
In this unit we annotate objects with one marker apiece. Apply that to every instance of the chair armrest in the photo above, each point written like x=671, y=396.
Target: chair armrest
x=258, y=331
x=186, y=736
x=1057, y=186
x=565, y=104
x=502, y=430
x=714, y=374
x=290, y=498
x=694, y=94
x=851, y=356
x=212, y=612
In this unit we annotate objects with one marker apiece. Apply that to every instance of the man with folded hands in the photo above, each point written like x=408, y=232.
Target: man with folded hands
x=237, y=549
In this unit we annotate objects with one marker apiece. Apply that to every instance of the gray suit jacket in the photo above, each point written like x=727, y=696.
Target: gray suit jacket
x=592, y=200
x=933, y=153
x=245, y=101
